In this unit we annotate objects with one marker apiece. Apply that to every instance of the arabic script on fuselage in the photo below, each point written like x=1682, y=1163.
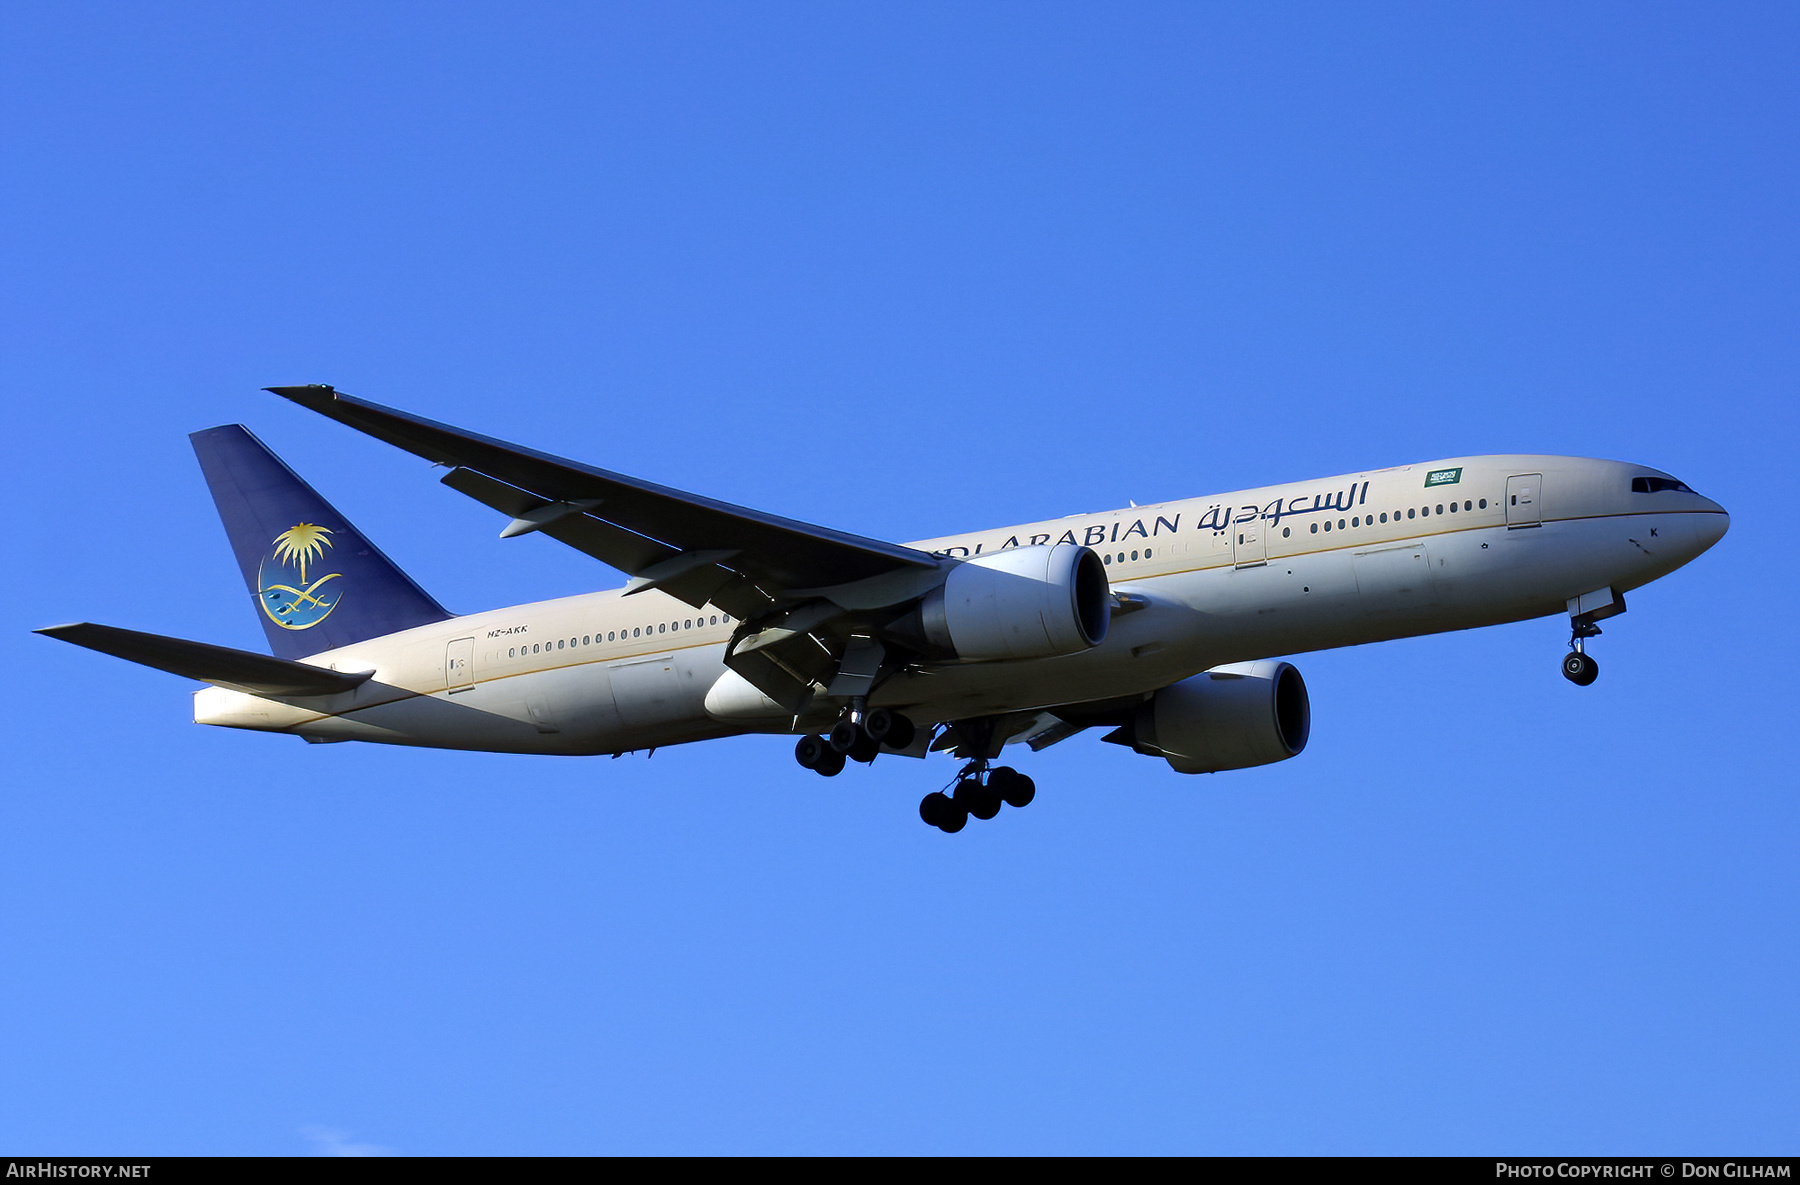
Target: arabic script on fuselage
x=1218, y=517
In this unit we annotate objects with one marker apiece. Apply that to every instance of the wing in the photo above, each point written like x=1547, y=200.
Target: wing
x=790, y=583
x=645, y=530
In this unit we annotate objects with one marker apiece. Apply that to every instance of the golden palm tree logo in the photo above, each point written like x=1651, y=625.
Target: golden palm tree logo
x=302, y=543
x=296, y=604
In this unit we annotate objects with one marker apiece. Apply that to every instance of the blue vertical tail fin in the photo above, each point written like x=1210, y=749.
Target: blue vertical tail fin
x=317, y=582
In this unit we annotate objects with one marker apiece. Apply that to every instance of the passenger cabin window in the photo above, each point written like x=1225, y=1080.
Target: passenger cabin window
x=1656, y=485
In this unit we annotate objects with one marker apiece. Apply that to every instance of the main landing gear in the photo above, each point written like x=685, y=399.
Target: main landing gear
x=980, y=790
x=1578, y=666
x=977, y=795
x=815, y=753
x=859, y=736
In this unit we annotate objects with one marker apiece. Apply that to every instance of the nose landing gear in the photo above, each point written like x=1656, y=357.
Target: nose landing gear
x=1585, y=613
x=1578, y=666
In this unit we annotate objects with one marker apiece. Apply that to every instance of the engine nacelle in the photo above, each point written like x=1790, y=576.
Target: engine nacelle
x=1231, y=717
x=1025, y=602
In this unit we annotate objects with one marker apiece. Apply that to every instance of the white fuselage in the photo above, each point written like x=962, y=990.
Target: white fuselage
x=1281, y=570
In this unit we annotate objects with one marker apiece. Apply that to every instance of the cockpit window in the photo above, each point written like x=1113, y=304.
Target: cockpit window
x=1656, y=485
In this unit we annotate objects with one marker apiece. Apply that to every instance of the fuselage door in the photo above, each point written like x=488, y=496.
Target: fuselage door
x=1394, y=580
x=459, y=665
x=1249, y=544
x=1524, y=494
x=647, y=691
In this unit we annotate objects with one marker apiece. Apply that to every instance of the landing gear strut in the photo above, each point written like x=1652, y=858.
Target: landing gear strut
x=1578, y=666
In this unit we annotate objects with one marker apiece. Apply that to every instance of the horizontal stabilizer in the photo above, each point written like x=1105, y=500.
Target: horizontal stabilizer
x=238, y=670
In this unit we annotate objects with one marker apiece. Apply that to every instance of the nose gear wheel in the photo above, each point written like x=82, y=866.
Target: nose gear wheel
x=1578, y=666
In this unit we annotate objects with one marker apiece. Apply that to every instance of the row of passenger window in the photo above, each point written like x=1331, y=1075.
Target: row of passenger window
x=1368, y=520
x=641, y=631
x=695, y=623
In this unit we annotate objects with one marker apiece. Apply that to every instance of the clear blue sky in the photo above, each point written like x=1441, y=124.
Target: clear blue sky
x=902, y=270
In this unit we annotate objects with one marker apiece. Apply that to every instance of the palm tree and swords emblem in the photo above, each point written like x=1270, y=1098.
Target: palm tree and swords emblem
x=290, y=601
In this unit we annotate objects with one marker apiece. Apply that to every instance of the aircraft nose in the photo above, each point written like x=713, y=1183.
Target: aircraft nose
x=1711, y=527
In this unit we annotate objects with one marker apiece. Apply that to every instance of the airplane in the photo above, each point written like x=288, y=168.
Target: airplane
x=1156, y=622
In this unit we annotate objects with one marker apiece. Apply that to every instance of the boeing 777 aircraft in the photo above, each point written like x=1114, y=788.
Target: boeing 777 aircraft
x=1156, y=622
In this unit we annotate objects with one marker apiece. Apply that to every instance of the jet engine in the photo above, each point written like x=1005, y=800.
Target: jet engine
x=1231, y=717
x=1025, y=602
